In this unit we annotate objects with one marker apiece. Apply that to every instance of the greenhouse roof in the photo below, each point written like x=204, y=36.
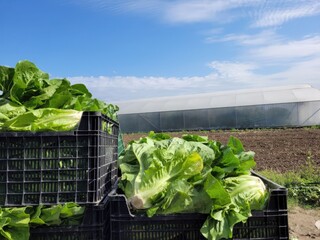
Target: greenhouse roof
x=272, y=95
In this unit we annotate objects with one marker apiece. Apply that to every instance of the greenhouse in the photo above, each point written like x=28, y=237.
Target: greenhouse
x=289, y=106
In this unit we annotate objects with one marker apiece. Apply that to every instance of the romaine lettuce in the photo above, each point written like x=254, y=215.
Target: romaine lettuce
x=243, y=194
x=30, y=101
x=15, y=222
x=192, y=174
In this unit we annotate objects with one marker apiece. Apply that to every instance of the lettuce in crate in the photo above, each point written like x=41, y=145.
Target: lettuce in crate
x=165, y=175
x=15, y=222
x=30, y=101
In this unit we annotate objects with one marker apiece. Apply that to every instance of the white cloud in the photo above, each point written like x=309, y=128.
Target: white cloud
x=184, y=11
x=262, y=38
x=199, y=11
x=269, y=47
x=130, y=87
x=289, y=51
x=261, y=13
x=284, y=11
x=292, y=61
x=224, y=76
x=233, y=71
x=304, y=71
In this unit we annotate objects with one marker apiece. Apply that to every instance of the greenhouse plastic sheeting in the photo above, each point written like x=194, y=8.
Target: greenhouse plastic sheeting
x=292, y=106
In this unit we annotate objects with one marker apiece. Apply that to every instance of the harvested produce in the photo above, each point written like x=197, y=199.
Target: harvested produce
x=192, y=174
x=30, y=101
x=16, y=221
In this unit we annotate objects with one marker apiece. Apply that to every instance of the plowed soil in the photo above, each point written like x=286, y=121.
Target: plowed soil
x=277, y=149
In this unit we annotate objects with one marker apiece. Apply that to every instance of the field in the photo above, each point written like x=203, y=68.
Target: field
x=280, y=150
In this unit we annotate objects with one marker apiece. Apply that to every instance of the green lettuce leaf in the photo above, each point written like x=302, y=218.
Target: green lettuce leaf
x=14, y=223
x=246, y=193
x=35, y=219
x=72, y=214
x=155, y=181
x=9, y=109
x=28, y=81
x=51, y=215
x=46, y=119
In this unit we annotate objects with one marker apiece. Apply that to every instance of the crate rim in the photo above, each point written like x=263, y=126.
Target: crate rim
x=275, y=186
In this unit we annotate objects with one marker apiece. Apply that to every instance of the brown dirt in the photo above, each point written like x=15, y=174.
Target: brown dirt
x=277, y=149
x=302, y=223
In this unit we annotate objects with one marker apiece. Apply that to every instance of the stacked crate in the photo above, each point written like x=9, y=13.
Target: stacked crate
x=80, y=166
x=50, y=168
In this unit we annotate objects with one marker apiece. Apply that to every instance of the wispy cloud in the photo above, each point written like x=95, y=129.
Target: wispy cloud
x=262, y=38
x=261, y=13
x=293, y=61
x=278, y=12
x=224, y=76
x=124, y=6
x=201, y=11
x=267, y=45
x=236, y=72
x=289, y=51
x=307, y=71
x=130, y=87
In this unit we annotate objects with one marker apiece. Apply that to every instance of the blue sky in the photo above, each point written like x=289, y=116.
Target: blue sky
x=132, y=49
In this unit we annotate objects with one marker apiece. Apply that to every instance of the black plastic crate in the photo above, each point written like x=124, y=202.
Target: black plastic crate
x=95, y=226
x=57, y=167
x=270, y=223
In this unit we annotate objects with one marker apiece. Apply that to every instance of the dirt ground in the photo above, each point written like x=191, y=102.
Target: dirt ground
x=280, y=150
